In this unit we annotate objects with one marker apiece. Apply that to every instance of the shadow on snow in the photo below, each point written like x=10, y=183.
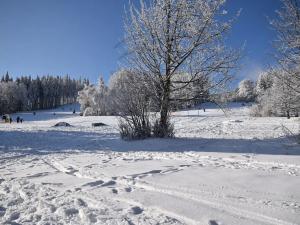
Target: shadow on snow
x=45, y=142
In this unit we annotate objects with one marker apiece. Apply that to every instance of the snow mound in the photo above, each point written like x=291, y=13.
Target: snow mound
x=98, y=124
x=62, y=124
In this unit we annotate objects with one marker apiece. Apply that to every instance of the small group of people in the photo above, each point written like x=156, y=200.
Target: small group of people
x=6, y=118
x=19, y=119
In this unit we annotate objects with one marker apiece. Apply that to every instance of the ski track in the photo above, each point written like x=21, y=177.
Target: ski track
x=127, y=184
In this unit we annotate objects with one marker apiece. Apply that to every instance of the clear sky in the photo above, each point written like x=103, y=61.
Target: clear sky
x=81, y=37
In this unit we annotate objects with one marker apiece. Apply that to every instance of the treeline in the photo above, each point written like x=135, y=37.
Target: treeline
x=271, y=95
x=27, y=93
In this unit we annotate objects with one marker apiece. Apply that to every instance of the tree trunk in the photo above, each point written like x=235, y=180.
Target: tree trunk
x=164, y=111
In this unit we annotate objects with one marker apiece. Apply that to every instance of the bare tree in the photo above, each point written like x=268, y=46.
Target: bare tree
x=287, y=26
x=170, y=37
x=287, y=76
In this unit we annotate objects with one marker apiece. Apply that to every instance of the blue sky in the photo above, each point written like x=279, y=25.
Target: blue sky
x=81, y=37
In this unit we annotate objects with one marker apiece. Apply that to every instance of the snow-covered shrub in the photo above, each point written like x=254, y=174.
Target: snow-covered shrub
x=167, y=131
x=131, y=100
x=255, y=110
x=131, y=131
x=264, y=104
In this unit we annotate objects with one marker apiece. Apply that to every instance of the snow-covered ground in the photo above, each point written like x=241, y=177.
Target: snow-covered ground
x=228, y=170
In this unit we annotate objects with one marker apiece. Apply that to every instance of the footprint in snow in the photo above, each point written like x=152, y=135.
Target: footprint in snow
x=114, y=191
x=185, y=165
x=149, y=173
x=92, y=218
x=71, y=171
x=38, y=175
x=80, y=202
x=136, y=210
x=109, y=183
x=94, y=183
x=71, y=212
x=52, y=184
x=128, y=189
x=2, y=211
x=213, y=222
x=14, y=216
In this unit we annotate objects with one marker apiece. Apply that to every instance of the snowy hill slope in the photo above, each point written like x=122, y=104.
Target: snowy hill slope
x=220, y=169
x=60, y=112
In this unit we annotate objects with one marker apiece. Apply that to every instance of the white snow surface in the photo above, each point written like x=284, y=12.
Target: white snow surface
x=219, y=170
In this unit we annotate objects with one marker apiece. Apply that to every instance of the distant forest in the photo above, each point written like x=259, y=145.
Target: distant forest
x=27, y=93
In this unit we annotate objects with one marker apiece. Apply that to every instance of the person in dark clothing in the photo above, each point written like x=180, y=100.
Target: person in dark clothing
x=21, y=120
x=18, y=119
x=74, y=111
x=10, y=120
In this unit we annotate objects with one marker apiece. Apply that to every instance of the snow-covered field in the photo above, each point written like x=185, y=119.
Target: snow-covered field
x=229, y=170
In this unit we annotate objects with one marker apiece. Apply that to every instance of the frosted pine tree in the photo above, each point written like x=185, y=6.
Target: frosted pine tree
x=246, y=90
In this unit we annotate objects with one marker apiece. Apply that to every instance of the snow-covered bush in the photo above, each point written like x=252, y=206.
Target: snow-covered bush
x=131, y=131
x=158, y=132
x=264, y=105
x=131, y=100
